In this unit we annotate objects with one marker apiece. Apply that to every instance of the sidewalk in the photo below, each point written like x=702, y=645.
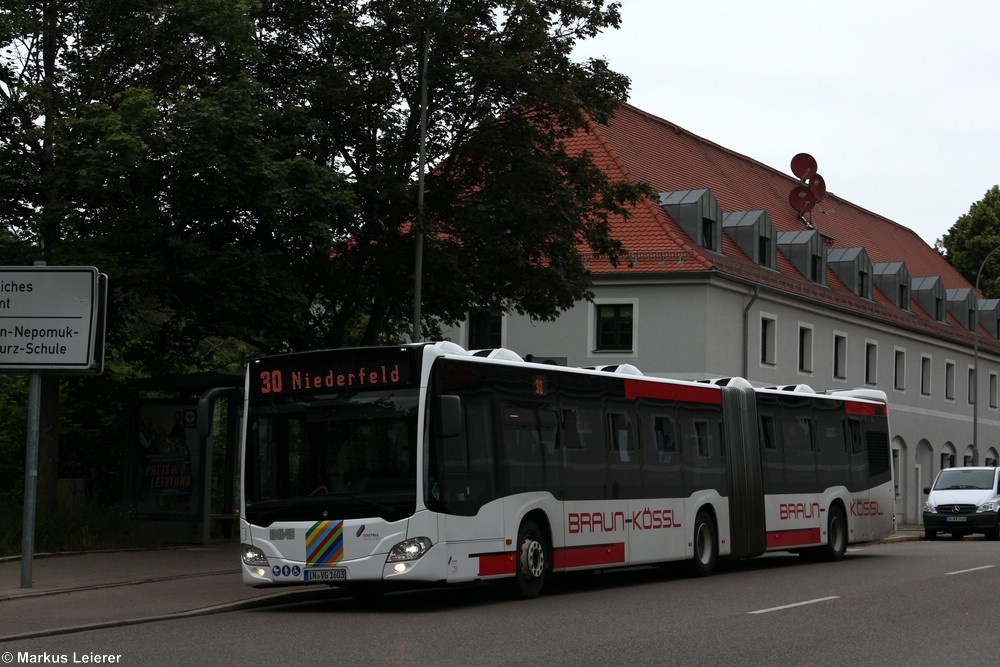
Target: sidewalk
x=71, y=592
x=108, y=588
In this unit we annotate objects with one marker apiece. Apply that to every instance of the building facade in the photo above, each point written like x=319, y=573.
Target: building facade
x=729, y=274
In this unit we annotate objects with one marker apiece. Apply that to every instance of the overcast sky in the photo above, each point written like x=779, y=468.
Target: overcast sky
x=898, y=101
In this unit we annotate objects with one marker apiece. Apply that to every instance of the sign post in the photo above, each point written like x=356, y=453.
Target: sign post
x=51, y=321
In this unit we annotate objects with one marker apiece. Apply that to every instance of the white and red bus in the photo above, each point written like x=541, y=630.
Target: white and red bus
x=427, y=464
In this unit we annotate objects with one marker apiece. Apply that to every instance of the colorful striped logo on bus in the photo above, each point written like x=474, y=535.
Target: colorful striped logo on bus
x=325, y=543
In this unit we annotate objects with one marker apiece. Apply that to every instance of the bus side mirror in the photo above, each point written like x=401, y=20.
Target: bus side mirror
x=450, y=415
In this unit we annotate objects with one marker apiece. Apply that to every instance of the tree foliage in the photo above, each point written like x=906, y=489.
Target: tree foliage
x=246, y=171
x=969, y=243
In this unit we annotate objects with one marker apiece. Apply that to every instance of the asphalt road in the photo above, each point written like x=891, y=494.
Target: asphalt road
x=913, y=603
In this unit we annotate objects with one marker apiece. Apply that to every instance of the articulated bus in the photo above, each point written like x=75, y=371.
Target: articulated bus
x=370, y=468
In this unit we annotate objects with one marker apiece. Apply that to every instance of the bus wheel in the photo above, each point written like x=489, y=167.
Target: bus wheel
x=532, y=561
x=836, y=535
x=930, y=534
x=706, y=552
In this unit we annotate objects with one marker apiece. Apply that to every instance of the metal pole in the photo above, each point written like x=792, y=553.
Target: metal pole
x=30, y=478
x=418, y=264
x=975, y=364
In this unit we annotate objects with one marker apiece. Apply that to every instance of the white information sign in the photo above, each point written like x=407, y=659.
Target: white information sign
x=48, y=318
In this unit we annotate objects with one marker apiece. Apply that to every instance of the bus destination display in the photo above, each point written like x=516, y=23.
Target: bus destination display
x=308, y=374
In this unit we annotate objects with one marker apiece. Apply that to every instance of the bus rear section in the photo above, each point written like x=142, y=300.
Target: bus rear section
x=826, y=470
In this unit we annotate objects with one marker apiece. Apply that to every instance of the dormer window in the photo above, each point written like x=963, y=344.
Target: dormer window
x=853, y=267
x=764, y=250
x=928, y=291
x=699, y=215
x=816, y=274
x=806, y=251
x=989, y=316
x=708, y=234
x=754, y=233
x=893, y=280
x=962, y=305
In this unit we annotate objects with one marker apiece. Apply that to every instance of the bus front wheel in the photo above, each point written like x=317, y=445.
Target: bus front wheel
x=706, y=552
x=532, y=565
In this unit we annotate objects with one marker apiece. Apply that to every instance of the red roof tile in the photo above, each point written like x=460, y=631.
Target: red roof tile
x=638, y=146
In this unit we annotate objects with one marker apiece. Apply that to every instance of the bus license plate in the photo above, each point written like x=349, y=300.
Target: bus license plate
x=955, y=519
x=335, y=574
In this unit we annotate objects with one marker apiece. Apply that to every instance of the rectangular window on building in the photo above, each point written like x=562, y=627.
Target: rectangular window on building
x=764, y=252
x=839, y=357
x=899, y=370
x=614, y=327
x=767, y=340
x=871, y=363
x=993, y=390
x=925, y=376
x=485, y=330
x=949, y=381
x=805, y=350
x=972, y=386
x=816, y=270
x=708, y=234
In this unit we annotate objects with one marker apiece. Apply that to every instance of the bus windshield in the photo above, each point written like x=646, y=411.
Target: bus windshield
x=344, y=456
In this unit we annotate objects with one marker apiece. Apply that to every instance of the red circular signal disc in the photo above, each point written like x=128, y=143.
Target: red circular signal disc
x=803, y=166
x=801, y=198
x=817, y=186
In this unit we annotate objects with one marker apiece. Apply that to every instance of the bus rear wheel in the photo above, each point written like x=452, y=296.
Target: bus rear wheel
x=836, y=536
x=532, y=566
x=706, y=552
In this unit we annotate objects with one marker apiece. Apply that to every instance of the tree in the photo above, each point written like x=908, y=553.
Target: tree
x=245, y=171
x=507, y=205
x=971, y=240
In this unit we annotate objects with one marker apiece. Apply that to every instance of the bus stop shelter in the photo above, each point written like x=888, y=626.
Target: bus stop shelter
x=181, y=464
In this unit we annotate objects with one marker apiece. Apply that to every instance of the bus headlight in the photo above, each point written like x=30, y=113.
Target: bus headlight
x=931, y=509
x=253, y=556
x=410, y=549
x=991, y=506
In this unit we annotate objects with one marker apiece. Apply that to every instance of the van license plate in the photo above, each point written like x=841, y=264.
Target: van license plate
x=336, y=574
x=955, y=519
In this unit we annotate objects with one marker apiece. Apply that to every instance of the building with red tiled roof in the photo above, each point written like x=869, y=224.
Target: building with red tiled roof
x=725, y=277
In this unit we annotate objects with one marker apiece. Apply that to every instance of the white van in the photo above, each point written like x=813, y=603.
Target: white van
x=964, y=501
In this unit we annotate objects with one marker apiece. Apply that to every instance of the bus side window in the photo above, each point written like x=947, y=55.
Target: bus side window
x=584, y=452
x=620, y=436
x=464, y=479
x=767, y=432
x=664, y=438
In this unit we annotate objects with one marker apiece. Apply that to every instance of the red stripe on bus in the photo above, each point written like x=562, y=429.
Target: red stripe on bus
x=793, y=538
x=589, y=556
x=491, y=565
x=864, y=409
x=672, y=392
